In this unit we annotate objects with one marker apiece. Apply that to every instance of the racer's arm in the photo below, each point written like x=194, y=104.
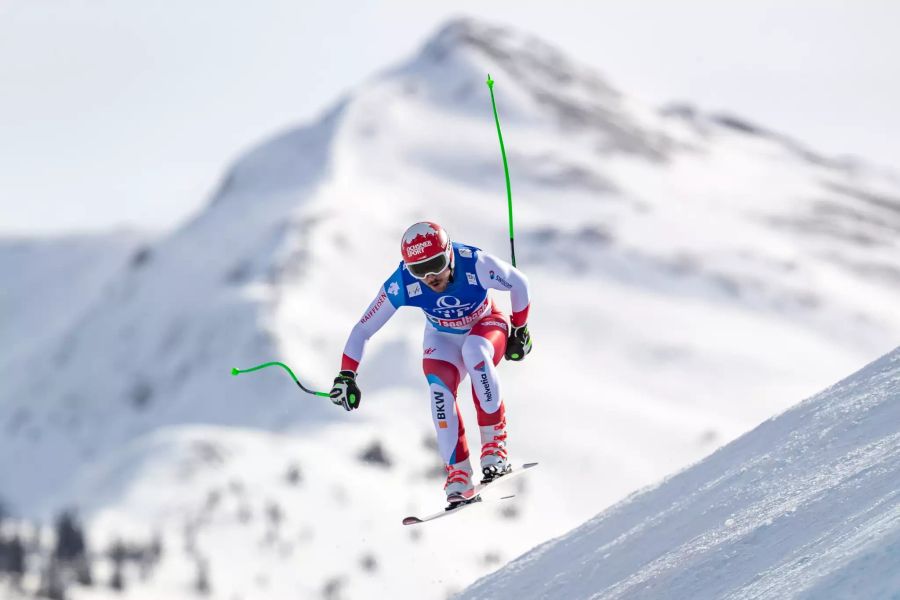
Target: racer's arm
x=378, y=313
x=390, y=297
x=494, y=273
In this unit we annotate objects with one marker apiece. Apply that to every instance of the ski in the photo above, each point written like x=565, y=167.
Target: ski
x=517, y=470
x=477, y=498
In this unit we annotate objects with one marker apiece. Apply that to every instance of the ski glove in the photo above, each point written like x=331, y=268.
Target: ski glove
x=345, y=391
x=518, y=344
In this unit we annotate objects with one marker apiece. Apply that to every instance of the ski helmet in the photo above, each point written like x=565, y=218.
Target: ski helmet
x=426, y=249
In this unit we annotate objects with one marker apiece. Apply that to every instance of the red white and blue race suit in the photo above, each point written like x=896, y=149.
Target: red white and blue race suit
x=464, y=334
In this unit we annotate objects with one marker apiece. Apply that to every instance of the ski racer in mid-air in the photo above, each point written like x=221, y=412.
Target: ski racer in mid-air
x=464, y=334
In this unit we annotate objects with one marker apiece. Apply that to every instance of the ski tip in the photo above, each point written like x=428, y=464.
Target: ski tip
x=411, y=520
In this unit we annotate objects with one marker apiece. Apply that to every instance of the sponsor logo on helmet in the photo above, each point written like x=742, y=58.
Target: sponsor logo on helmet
x=414, y=289
x=393, y=289
x=418, y=248
x=430, y=351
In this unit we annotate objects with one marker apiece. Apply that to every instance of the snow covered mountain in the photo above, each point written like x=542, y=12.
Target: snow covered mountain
x=807, y=505
x=48, y=283
x=693, y=274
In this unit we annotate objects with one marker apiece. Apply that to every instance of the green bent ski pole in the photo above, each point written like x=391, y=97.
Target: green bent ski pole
x=512, y=241
x=286, y=368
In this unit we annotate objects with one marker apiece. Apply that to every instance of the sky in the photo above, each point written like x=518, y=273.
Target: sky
x=126, y=113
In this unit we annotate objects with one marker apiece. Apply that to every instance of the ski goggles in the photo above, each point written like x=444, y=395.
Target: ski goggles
x=432, y=266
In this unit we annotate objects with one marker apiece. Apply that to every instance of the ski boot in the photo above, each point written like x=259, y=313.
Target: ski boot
x=459, y=488
x=494, y=459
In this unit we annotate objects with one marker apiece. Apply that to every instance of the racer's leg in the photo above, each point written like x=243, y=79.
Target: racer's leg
x=482, y=350
x=443, y=366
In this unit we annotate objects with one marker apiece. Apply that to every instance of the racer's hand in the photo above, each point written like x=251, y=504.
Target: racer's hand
x=345, y=391
x=519, y=343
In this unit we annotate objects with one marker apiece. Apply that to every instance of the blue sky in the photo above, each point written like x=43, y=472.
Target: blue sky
x=125, y=112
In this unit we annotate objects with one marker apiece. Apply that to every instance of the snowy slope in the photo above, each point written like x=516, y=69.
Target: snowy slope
x=807, y=505
x=49, y=282
x=697, y=273
x=156, y=347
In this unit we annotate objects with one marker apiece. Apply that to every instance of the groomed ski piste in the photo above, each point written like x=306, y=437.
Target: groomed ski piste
x=807, y=505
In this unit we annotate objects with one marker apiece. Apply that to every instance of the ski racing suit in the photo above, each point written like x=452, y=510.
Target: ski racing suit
x=464, y=334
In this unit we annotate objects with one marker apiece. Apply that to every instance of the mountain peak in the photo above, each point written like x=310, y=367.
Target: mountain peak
x=537, y=82
x=527, y=58
x=463, y=30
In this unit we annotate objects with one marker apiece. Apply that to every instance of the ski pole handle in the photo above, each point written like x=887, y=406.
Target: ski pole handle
x=236, y=372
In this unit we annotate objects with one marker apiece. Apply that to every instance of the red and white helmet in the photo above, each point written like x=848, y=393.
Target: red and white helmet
x=426, y=249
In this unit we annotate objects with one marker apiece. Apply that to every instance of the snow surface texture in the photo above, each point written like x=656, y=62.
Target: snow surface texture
x=807, y=505
x=696, y=273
